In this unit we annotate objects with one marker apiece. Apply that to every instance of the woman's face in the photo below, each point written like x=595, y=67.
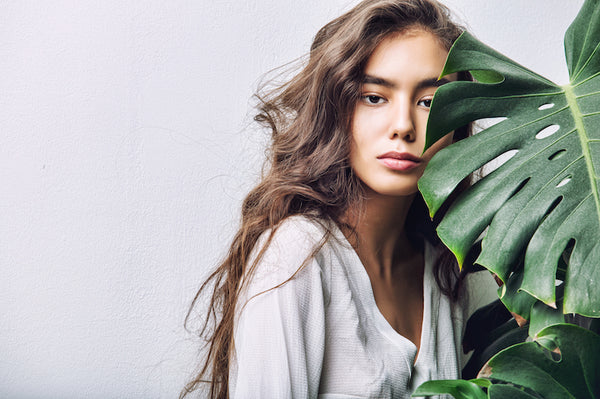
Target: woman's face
x=390, y=119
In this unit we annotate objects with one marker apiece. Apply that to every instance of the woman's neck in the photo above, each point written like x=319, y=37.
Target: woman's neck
x=381, y=240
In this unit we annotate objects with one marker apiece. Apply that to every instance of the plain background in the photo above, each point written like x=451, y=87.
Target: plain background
x=126, y=147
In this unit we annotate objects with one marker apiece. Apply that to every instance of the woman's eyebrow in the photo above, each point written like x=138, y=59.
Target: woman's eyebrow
x=429, y=82
x=432, y=82
x=369, y=79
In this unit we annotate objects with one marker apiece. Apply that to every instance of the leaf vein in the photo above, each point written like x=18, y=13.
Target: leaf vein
x=521, y=96
x=589, y=59
x=517, y=217
x=586, y=79
x=578, y=118
x=533, y=366
x=566, y=218
x=587, y=95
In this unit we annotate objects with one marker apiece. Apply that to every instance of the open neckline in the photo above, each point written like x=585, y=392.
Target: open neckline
x=381, y=323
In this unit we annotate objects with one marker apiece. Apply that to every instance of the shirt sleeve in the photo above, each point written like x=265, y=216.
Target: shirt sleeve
x=280, y=333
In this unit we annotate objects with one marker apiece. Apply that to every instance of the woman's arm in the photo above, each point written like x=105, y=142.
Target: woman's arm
x=279, y=335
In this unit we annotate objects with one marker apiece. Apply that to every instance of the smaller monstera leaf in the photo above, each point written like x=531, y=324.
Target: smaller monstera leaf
x=546, y=197
x=488, y=331
x=460, y=389
x=563, y=362
x=528, y=307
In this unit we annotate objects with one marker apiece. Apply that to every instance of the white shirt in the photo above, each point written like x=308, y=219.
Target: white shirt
x=321, y=334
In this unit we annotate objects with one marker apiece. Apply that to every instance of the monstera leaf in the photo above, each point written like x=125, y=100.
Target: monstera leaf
x=544, y=201
x=562, y=363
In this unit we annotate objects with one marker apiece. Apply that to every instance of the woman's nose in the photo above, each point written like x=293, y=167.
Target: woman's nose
x=402, y=124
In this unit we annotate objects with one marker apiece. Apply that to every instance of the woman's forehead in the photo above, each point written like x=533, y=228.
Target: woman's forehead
x=411, y=55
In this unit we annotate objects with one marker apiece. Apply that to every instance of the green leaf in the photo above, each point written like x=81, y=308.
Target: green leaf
x=570, y=371
x=546, y=197
x=503, y=337
x=489, y=330
x=583, y=56
x=482, y=382
x=543, y=316
x=508, y=392
x=460, y=389
x=516, y=301
x=522, y=303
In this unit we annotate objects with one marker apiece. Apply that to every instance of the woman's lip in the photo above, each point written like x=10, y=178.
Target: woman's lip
x=401, y=161
x=401, y=156
x=399, y=164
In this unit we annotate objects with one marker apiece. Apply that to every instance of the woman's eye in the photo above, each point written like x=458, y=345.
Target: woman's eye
x=425, y=103
x=373, y=99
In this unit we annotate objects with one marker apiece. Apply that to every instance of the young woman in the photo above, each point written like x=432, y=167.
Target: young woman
x=335, y=285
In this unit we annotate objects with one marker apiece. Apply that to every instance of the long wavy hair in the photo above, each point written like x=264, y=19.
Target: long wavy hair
x=307, y=169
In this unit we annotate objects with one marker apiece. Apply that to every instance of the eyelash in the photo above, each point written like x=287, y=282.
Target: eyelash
x=428, y=101
x=373, y=99
x=370, y=97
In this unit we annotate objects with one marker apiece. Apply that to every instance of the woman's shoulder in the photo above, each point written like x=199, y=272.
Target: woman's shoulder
x=293, y=248
x=294, y=235
x=302, y=225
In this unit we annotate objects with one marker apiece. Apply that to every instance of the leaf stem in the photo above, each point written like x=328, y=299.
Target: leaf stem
x=585, y=140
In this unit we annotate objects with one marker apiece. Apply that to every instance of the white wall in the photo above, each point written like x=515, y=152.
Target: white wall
x=126, y=147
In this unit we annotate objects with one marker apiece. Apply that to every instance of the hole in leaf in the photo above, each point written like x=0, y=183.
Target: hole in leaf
x=482, y=124
x=554, y=355
x=547, y=132
x=551, y=208
x=498, y=161
x=483, y=234
x=557, y=154
x=546, y=106
x=564, y=181
x=549, y=211
x=563, y=261
x=520, y=187
x=554, y=205
x=490, y=77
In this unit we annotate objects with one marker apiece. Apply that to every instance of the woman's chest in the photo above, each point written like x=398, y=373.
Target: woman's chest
x=364, y=356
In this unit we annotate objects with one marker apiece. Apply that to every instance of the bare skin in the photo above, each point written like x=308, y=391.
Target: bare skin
x=388, y=138
x=394, y=267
